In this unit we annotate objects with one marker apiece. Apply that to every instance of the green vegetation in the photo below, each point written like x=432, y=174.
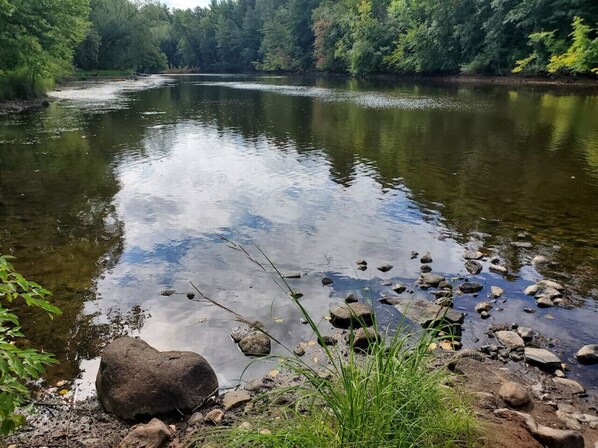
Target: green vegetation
x=18, y=365
x=39, y=39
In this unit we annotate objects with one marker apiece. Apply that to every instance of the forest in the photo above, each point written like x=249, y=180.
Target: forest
x=45, y=40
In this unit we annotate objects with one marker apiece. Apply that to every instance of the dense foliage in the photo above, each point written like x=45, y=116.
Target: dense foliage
x=360, y=37
x=18, y=365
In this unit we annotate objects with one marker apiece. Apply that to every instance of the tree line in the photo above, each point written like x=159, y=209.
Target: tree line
x=42, y=39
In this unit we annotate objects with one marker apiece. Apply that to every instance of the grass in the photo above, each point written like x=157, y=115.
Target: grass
x=387, y=397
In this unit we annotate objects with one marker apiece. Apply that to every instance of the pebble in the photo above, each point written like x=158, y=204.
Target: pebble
x=473, y=267
x=427, y=258
x=414, y=254
x=235, y=399
x=470, y=287
x=362, y=262
x=215, y=416
x=385, y=267
x=483, y=306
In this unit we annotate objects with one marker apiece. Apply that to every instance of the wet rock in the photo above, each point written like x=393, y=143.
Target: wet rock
x=385, y=267
x=550, y=293
x=526, y=333
x=496, y=292
x=559, y=374
x=239, y=333
x=484, y=314
x=473, y=267
x=542, y=358
x=572, y=385
x=215, y=416
x=167, y=292
x=351, y=315
x=154, y=434
x=363, y=338
x=327, y=340
x=255, y=344
x=588, y=354
x=427, y=258
x=445, y=285
x=399, y=288
x=515, y=394
x=425, y=268
x=414, y=254
x=299, y=350
x=362, y=263
x=470, y=287
x=432, y=279
x=498, y=269
x=442, y=293
x=327, y=281
x=429, y=315
x=483, y=306
x=531, y=290
x=350, y=298
x=235, y=399
x=510, y=339
x=135, y=379
x=190, y=295
x=550, y=284
x=473, y=255
x=544, y=302
x=539, y=260
x=291, y=275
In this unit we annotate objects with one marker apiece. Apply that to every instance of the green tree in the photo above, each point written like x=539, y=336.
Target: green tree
x=581, y=56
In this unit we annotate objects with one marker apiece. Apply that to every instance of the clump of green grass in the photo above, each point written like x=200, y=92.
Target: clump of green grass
x=387, y=397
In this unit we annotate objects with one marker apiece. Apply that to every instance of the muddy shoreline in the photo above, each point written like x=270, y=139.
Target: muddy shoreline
x=20, y=106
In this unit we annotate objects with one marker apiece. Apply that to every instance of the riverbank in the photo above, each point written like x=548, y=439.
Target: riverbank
x=19, y=106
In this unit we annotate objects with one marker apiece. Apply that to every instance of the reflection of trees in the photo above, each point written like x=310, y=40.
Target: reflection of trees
x=497, y=161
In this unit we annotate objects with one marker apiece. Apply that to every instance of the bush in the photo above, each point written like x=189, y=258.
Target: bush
x=17, y=365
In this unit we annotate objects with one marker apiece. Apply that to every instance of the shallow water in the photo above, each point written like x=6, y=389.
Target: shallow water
x=121, y=190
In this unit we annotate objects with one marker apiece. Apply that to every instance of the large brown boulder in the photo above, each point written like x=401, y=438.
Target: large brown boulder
x=135, y=379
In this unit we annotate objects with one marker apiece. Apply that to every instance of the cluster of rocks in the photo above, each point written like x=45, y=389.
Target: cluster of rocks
x=252, y=340
x=358, y=317
x=547, y=293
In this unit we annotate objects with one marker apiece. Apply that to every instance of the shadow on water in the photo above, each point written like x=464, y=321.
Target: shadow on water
x=109, y=202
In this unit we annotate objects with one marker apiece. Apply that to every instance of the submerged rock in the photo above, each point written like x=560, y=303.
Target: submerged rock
x=425, y=268
x=483, y=306
x=134, y=379
x=351, y=298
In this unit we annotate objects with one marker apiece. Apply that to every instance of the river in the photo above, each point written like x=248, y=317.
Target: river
x=120, y=190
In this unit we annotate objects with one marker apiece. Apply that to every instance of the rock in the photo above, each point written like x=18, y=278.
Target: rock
x=399, y=288
x=414, y=254
x=569, y=420
x=386, y=283
x=351, y=298
x=483, y=306
x=239, y=333
x=526, y=333
x=167, y=292
x=495, y=259
x=327, y=281
x=514, y=394
x=363, y=338
x=354, y=314
x=522, y=244
x=473, y=267
x=299, y=351
x=425, y=268
x=195, y=419
x=215, y=416
x=235, y=399
x=427, y=258
x=550, y=284
x=135, y=379
x=445, y=285
x=485, y=400
x=573, y=386
x=291, y=275
x=432, y=279
x=588, y=354
x=473, y=255
x=428, y=314
x=385, y=267
x=154, y=434
x=190, y=295
x=362, y=263
x=45, y=103
x=498, y=269
x=446, y=301
x=539, y=260
x=255, y=344
x=484, y=314
x=554, y=438
x=544, y=302
x=551, y=293
x=470, y=287
x=559, y=374
x=327, y=340
x=531, y=290
x=496, y=291
x=510, y=339
x=542, y=358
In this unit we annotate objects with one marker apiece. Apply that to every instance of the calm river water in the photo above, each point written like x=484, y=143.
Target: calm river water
x=121, y=190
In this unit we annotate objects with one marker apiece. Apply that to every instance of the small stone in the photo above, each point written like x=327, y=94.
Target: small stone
x=291, y=275
x=432, y=279
x=529, y=310
x=256, y=344
x=362, y=263
x=569, y=420
x=154, y=434
x=574, y=386
x=588, y=354
x=473, y=255
x=425, y=268
x=539, y=260
x=551, y=293
x=363, y=338
x=327, y=281
x=427, y=258
x=470, y=287
x=510, y=339
x=544, y=302
x=496, y=291
x=485, y=400
x=385, y=267
x=195, y=419
x=299, y=351
x=473, y=267
x=559, y=374
x=399, y=288
x=354, y=314
x=350, y=298
x=484, y=314
x=526, y=333
x=445, y=285
x=542, y=358
x=239, y=333
x=167, y=292
x=498, y=269
x=514, y=394
x=215, y=416
x=327, y=340
x=531, y=290
x=483, y=306
x=414, y=254
x=235, y=399
x=550, y=284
